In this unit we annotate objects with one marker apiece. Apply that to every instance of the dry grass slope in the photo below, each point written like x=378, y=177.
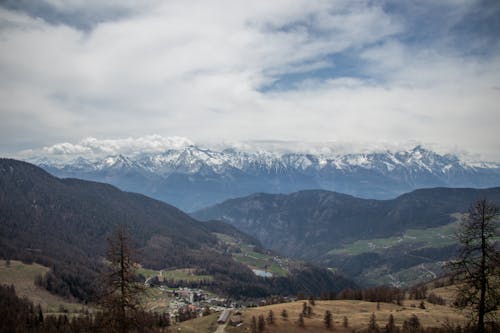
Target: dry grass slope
x=22, y=276
x=357, y=312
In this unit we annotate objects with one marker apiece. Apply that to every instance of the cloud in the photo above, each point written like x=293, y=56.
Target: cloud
x=303, y=71
x=92, y=148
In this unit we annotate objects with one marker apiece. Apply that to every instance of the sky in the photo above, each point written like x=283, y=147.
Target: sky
x=146, y=73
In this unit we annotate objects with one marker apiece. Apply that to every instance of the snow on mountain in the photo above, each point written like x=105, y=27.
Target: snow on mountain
x=190, y=176
x=192, y=159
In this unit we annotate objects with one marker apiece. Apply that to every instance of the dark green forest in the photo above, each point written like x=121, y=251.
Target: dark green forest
x=64, y=224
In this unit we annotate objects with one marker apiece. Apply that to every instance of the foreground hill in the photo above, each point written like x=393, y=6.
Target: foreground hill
x=357, y=312
x=363, y=237
x=22, y=277
x=193, y=177
x=64, y=224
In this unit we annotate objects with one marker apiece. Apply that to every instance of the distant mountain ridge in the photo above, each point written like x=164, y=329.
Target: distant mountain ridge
x=192, y=177
x=309, y=223
x=317, y=225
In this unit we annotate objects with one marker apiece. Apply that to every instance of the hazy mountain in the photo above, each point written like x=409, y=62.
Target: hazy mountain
x=192, y=177
x=64, y=223
x=316, y=225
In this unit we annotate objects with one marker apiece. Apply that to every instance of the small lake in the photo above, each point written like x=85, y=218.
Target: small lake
x=262, y=273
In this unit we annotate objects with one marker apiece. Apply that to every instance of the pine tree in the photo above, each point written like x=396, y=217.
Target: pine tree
x=253, y=325
x=309, y=311
x=328, y=319
x=261, y=323
x=412, y=325
x=372, y=324
x=120, y=300
x=478, y=265
x=345, y=322
x=284, y=314
x=270, y=317
x=391, y=326
x=300, y=321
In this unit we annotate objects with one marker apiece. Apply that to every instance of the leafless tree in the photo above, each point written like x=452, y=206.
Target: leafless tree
x=477, y=269
x=120, y=300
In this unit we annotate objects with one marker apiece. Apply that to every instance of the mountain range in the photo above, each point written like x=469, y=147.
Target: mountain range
x=359, y=236
x=192, y=177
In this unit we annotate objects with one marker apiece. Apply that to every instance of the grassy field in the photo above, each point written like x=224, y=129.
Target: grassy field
x=431, y=237
x=256, y=260
x=147, y=273
x=357, y=312
x=252, y=259
x=184, y=274
x=22, y=276
x=156, y=300
x=226, y=239
x=199, y=325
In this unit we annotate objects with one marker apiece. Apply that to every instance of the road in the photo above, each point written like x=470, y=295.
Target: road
x=428, y=271
x=221, y=328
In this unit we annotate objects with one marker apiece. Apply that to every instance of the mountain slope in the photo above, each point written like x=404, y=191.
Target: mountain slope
x=303, y=223
x=193, y=177
x=356, y=235
x=64, y=223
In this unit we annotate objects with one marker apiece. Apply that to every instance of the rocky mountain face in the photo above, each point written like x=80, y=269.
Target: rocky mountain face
x=360, y=236
x=192, y=177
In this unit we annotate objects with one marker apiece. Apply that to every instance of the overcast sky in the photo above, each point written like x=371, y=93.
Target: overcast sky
x=296, y=70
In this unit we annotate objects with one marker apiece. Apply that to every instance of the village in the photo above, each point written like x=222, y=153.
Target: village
x=188, y=303
x=184, y=303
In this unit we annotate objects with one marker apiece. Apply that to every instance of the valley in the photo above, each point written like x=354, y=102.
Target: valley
x=82, y=215
x=400, y=242
x=191, y=268
x=411, y=238
x=262, y=262
x=423, y=245
x=222, y=166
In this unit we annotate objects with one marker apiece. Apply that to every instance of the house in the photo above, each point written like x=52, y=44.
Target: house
x=236, y=319
x=224, y=316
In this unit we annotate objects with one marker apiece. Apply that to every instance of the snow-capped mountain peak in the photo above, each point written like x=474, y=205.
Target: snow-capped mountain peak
x=179, y=175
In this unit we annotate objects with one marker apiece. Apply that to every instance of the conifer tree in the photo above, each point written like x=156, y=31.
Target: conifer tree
x=270, y=317
x=372, y=324
x=391, y=326
x=120, y=299
x=253, y=325
x=477, y=268
x=412, y=325
x=261, y=324
x=284, y=314
x=300, y=321
x=327, y=319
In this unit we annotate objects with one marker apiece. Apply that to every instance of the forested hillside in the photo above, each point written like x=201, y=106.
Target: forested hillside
x=400, y=241
x=64, y=224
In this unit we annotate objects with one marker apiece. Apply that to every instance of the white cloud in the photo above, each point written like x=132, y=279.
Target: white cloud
x=92, y=148
x=197, y=69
